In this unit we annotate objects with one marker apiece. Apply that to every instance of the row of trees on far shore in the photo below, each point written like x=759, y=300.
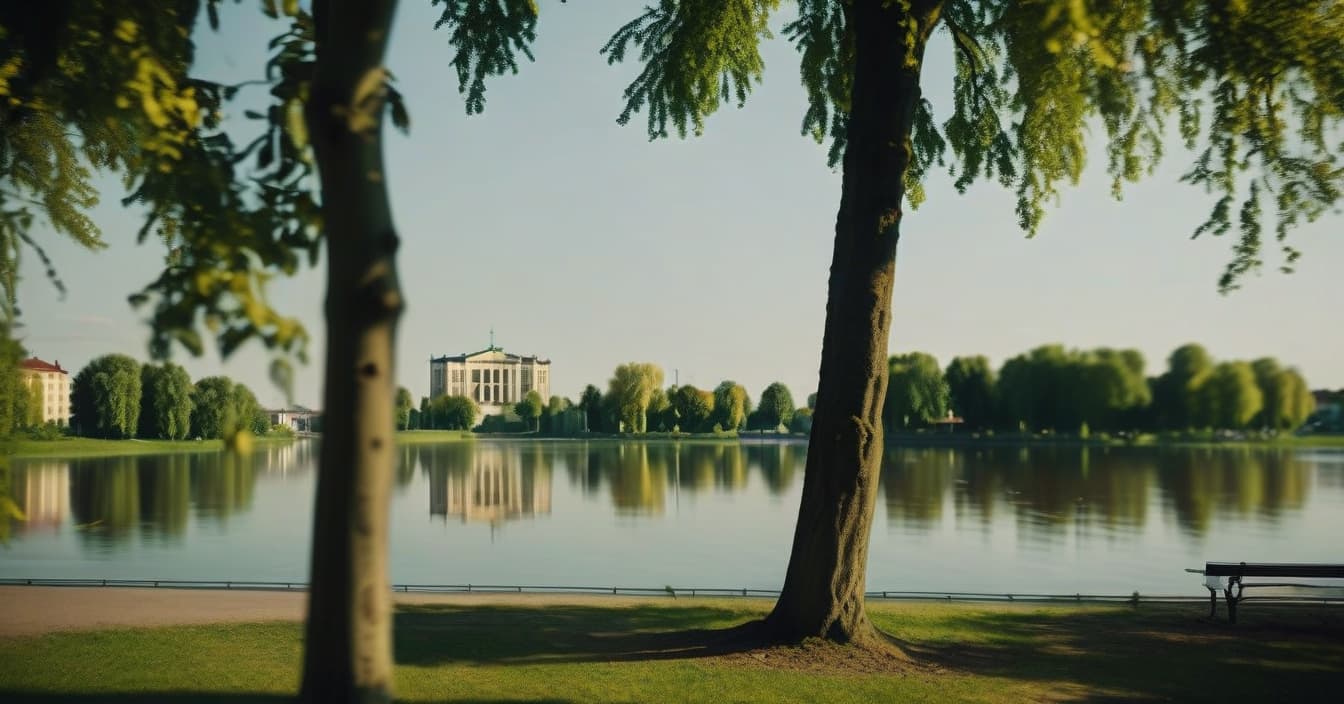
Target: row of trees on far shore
x=116, y=397
x=1051, y=388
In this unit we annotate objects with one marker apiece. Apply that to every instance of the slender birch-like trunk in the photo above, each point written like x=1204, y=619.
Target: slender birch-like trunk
x=348, y=638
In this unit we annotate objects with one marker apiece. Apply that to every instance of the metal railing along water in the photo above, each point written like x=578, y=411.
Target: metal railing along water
x=1133, y=598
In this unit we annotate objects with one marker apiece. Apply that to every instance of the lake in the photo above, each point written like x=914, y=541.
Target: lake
x=692, y=514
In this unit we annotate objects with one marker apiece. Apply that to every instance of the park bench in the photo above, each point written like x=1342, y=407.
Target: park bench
x=1229, y=576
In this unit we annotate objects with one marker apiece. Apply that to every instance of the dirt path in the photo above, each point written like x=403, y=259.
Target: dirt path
x=26, y=611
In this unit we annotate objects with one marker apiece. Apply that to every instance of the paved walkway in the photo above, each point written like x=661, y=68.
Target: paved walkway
x=26, y=611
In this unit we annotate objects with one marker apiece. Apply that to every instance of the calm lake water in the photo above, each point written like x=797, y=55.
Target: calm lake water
x=648, y=514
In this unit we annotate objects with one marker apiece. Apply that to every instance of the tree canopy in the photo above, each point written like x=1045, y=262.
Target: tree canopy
x=105, y=397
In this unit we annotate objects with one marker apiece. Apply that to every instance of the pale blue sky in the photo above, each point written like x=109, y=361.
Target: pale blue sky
x=581, y=241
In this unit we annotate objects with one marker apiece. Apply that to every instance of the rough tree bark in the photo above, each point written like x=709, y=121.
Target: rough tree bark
x=348, y=638
x=824, y=585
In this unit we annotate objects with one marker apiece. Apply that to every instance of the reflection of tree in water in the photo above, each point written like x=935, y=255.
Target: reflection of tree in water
x=1047, y=490
x=1199, y=485
x=914, y=482
x=639, y=480
x=222, y=484
x=105, y=498
x=486, y=482
x=778, y=463
x=165, y=494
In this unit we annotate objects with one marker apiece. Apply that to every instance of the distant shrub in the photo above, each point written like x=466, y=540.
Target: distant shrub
x=280, y=430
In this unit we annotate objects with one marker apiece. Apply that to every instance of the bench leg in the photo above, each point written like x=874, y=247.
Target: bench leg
x=1213, y=603
x=1231, y=605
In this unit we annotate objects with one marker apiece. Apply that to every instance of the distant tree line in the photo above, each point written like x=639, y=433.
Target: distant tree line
x=116, y=397
x=1051, y=388
x=1047, y=389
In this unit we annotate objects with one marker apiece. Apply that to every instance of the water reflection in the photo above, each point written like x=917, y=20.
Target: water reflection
x=111, y=500
x=489, y=486
x=1049, y=490
x=1043, y=495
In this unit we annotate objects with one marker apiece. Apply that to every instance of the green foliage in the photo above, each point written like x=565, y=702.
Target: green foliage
x=802, y=421
x=487, y=35
x=1230, y=398
x=1252, y=90
x=247, y=413
x=426, y=415
x=12, y=394
x=280, y=430
x=452, y=413
x=1176, y=393
x=917, y=394
x=694, y=408
x=105, y=397
x=590, y=402
x=165, y=402
x=530, y=408
x=970, y=385
x=404, y=405
x=629, y=392
x=696, y=55
x=1051, y=388
x=212, y=407
x=1287, y=402
x=730, y=405
x=776, y=406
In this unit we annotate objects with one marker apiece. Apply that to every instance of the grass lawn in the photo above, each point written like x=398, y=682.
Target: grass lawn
x=93, y=447
x=594, y=653
x=415, y=437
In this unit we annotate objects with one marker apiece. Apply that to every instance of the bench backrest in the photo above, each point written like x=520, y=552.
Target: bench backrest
x=1274, y=569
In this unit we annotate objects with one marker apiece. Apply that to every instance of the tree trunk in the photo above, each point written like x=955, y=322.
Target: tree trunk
x=348, y=638
x=824, y=585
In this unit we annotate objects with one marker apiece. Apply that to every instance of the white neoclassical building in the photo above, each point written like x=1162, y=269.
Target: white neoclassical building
x=493, y=378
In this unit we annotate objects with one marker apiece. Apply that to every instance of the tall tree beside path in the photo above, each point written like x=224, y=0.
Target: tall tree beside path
x=105, y=397
x=1030, y=80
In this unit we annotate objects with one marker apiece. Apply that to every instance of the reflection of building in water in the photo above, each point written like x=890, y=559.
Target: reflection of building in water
x=494, y=489
x=43, y=493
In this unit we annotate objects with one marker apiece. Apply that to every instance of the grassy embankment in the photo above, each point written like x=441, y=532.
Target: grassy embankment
x=94, y=447
x=594, y=653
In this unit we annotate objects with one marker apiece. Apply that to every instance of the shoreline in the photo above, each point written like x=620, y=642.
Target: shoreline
x=81, y=448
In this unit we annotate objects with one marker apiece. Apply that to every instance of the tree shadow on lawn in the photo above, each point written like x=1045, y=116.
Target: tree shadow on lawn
x=1153, y=652
x=444, y=634
x=1101, y=654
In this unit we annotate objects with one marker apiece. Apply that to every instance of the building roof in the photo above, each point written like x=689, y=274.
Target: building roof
x=37, y=365
x=508, y=356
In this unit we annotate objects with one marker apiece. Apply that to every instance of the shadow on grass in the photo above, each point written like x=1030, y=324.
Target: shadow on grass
x=1154, y=652
x=447, y=634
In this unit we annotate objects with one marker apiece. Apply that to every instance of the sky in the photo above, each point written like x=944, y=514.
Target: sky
x=581, y=241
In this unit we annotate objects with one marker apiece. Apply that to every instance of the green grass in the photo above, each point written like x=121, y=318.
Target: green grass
x=591, y=653
x=415, y=437
x=92, y=447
